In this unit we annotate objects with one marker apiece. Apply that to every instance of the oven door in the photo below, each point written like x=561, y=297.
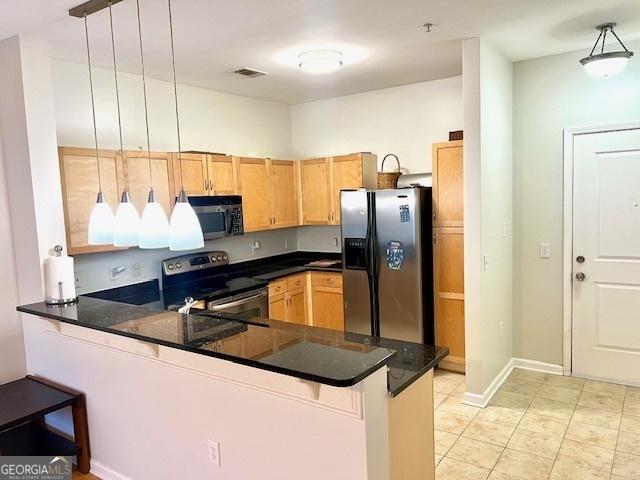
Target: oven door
x=216, y=221
x=252, y=304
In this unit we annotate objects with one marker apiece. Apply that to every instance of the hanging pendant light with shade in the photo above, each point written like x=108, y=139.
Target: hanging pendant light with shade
x=101, y=219
x=154, y=225
x=185, y=232
x=604, y=64
x=126, y=226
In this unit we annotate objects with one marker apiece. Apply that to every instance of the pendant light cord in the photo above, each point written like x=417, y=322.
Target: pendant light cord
x=175, y=92
x=144, y=94
x=93, y=106
x=115, y=77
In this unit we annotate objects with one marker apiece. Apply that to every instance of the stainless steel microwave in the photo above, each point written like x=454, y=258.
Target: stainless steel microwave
x=220, y=216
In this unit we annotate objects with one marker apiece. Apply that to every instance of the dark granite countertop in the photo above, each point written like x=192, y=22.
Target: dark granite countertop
x=330, y=357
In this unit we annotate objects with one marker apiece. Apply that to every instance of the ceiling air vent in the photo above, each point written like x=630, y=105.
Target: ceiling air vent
x=249, y=72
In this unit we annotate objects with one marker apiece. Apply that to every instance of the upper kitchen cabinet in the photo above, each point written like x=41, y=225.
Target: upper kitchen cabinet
x=283, y=193
x=190, y=170
x=253, y=185
x=205, y=173
x=322, y=179
x=314, y=191
x=447, y=184
x=79, y=177
x=357, y=170
x=220, y=174
x=136, y=171
x=269, y=192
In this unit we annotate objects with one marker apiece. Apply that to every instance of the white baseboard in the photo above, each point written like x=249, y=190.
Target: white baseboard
x=537, y=366
x=104, y=472
x=483, y=399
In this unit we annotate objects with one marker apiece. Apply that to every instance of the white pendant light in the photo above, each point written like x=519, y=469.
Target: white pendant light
x=101, y=222
x=101, y=219
x=185, y=231
x=605, y=64
x=126, y=226
x=154, y=225
x=320, y=61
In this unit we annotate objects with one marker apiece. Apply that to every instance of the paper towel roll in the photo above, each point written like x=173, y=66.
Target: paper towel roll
x=60, y=278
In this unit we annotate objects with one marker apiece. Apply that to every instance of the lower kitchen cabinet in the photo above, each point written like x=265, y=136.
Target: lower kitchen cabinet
x=327, y=300
x=288, y=299
x=312, y=298
x=448, y=254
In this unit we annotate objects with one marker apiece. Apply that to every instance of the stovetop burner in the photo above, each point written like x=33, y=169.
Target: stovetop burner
x=202, y=276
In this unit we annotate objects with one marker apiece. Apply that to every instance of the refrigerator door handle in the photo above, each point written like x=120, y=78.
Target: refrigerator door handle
x=372, y=264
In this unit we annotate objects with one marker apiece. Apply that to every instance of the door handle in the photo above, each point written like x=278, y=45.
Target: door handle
x=580, y=277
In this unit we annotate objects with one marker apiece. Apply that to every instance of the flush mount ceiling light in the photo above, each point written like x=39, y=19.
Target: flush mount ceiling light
x=604, y=64
x=320, y=61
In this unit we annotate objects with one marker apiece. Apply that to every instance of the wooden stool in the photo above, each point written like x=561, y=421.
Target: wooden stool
x=23, y=405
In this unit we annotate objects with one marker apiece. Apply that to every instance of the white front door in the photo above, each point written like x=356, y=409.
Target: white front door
x=606, y=256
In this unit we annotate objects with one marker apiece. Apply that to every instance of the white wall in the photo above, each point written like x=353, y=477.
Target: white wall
x=403, y=120
x=488, y=203
x=30, y=191
x=553, y=93
x=209, y=120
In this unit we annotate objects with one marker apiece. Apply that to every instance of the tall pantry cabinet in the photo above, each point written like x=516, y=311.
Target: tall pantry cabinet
x=448, y=251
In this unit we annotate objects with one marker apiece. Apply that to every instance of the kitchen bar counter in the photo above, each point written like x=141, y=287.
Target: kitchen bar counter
x=325, y=356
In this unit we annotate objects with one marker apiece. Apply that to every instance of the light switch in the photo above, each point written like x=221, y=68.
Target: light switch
x=545, y=250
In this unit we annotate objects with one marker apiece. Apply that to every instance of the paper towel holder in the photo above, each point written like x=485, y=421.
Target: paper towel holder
x=61, y=300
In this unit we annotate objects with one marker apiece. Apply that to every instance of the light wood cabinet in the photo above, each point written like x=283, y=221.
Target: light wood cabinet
x=447, y=184
x=327, y=305
x=192, y=169
x=79, y=176
x=448, y=251
x=253, y=185
x=288, y=299
x=314, y=191
x=311, y=298
x=136, y=170
x=321, y=181
x=205, y=173
x=221, y=174
x=283, y=193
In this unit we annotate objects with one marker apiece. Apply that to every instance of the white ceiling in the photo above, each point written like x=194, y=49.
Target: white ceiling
x=383, y=41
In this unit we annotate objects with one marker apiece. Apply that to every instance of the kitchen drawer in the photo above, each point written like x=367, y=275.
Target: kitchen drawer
x=326, y=279
x=277, y=287
x=296, y=281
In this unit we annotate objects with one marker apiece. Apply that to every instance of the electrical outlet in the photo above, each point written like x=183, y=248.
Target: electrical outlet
x=500, y=328
x=255, y=246
x=214, y=452
x=544, y=250
x=78, y=277
x=135, y=270
x=504, y=230
x=335, y=242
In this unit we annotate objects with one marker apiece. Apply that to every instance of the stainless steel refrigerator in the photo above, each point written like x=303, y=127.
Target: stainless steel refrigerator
x=387, y=258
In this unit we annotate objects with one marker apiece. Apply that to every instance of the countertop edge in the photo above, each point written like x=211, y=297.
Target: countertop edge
x=430, y=366
x=207, y=353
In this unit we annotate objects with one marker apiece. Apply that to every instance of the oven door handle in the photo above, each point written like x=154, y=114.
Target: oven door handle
x=237, y=302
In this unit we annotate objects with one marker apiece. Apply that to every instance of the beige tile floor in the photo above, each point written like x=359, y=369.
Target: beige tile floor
x=538, y=426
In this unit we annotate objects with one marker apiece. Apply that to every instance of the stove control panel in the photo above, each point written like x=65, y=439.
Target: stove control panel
x=195, y=261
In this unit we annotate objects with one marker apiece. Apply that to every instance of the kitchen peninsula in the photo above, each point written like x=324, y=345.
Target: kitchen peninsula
x=277, y=400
